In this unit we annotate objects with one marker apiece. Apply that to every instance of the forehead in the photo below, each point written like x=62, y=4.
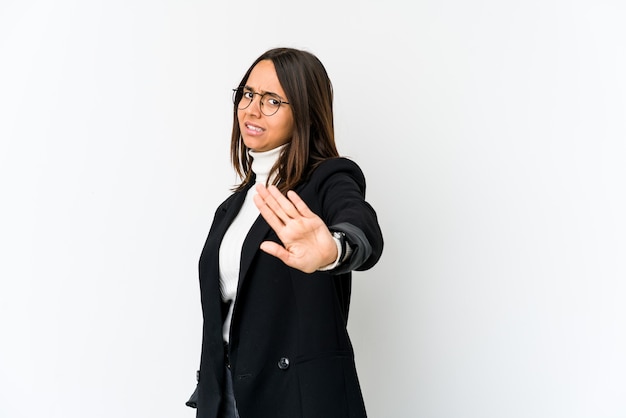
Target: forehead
x=263, y=78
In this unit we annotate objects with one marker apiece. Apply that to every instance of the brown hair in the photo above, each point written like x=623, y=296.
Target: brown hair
x=310, y=95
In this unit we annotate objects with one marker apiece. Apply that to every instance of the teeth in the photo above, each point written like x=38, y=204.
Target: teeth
x=254, y=128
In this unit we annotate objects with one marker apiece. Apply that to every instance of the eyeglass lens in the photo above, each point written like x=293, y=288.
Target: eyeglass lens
x=269, y=102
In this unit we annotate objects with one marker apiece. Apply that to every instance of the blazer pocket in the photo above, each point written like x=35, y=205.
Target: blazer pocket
x=323, y=356
x=332, y=388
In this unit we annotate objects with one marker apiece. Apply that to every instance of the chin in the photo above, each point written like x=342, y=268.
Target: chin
x=251, y=145
x=256, y=148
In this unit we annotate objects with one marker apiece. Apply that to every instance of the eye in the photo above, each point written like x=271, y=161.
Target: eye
x=272, y=101
x=248, y=95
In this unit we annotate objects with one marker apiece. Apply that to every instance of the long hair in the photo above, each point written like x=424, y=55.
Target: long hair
x=309, y=92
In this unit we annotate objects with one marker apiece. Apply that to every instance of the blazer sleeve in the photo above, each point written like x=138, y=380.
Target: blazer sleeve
x=340, y=187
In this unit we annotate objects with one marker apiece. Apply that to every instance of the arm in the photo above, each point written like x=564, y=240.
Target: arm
x=337, y=192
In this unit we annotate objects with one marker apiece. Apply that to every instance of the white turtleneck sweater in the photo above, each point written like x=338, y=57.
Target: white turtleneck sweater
x=230, y=249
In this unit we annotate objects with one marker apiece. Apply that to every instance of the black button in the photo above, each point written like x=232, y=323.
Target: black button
x=283, y=363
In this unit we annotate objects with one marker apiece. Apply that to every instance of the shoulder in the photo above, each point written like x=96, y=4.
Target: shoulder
x=339, y=166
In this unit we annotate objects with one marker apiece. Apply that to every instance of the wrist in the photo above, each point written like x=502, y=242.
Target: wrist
x=339, y=239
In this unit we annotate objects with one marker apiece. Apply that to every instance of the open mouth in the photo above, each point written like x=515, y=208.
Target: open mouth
x=253, y=128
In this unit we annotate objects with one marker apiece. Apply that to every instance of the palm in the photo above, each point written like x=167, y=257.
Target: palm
x=307, y=242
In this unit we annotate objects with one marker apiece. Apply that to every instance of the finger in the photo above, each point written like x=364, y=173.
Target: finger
x=268, y=214
x=299, y=204
x=285, y=204
x=271, y=199
x=267, y=203
x=262, y=190
x=276, y=250
x=285, y=256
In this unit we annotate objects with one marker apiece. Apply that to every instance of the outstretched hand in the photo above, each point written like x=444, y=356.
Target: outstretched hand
x=307, y=242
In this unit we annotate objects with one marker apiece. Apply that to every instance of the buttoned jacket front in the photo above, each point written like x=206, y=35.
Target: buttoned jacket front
x=289, y=351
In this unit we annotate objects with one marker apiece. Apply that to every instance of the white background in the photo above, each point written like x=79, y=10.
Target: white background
x=493, y=137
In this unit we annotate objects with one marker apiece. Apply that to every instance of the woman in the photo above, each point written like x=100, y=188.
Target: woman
x=275, y=288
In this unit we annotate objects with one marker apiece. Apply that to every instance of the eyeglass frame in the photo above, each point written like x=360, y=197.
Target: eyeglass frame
x=274, y=96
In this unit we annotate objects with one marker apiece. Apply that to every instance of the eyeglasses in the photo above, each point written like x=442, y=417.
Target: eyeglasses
x=270, y=102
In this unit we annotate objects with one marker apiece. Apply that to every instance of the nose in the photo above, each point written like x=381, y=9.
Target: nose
x=255, y=106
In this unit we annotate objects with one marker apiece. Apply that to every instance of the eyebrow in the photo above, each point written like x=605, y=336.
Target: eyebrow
x=263, y=92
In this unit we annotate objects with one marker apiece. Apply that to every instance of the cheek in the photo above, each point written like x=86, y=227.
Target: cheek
x=288, y=126
x=286, y=131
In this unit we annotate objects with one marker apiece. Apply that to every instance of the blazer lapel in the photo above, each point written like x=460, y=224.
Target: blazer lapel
x=230, y=211
x=255, y=236
x=258, y=232
x=210, y=254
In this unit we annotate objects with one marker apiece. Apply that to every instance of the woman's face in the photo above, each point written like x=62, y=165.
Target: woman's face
x=258, y=131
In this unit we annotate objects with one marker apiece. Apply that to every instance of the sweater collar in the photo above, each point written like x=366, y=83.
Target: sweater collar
x=262, y=163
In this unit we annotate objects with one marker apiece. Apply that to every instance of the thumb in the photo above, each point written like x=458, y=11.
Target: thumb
x=275, y=249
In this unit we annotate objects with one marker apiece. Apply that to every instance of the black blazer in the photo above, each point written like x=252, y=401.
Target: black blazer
x=289, y=352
